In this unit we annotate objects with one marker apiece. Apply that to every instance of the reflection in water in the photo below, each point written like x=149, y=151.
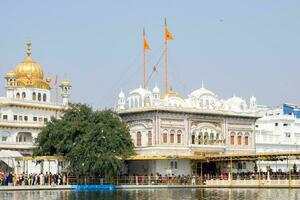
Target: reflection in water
x=151, y=194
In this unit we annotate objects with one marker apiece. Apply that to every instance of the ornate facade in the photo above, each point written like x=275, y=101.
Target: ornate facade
x=180, y=127
x=27, y=107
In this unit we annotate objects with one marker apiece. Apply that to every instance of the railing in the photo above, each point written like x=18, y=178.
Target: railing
x=259, y=179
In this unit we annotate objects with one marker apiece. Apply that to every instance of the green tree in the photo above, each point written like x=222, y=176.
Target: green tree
x=92, y=142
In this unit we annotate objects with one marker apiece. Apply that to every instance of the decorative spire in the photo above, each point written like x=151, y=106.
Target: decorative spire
x=202, y=84
x=29, y=44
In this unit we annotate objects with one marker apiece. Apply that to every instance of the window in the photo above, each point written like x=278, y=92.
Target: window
x=26, y=118
x=18, y=95
x=23, y=95
x=45, y=119
x=179, y=136
x=40, y=119
x=173, y=165
x=21, y=118
x=246, y=140
x=172, y=133
x=15, y=117
x=276, y=124
x=193, y=139
x=232, y=138
x=256, y=126
x=288, y=135
x=34, y=119
x=285, y=124
x=39, y=97
x=138, y=139
x=4, y=138
x=165, y=136
x=239, y=140
x=149, y=138
x=33, y=96
x=4, y=117
x=44, y=97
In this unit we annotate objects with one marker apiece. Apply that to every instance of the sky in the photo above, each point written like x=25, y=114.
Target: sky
x=235, y=47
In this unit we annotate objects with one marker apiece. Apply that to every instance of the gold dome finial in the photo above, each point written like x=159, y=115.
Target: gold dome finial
x=29, y=44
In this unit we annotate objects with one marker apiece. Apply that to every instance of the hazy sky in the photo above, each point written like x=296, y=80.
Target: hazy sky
x=242, y=47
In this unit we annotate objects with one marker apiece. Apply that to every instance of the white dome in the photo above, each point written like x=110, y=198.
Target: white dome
x=141, y=91
x=121, y=94
x=201, y=92
x=253, y=98
x=155, y=89
x=236, y=104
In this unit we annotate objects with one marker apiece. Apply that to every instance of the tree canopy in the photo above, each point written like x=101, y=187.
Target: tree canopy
x=93, y=142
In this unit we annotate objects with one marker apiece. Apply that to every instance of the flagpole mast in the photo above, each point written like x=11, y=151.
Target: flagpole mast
x=144, y=61
x=166, y=62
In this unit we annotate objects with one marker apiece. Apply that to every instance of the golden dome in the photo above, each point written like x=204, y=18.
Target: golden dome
x=48, y=79
x=11, y=74
x=65, y=83
x=29, y=73
x=29, y=68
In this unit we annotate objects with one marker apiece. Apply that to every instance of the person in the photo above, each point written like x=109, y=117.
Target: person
x=46, y=178
x=193, y=180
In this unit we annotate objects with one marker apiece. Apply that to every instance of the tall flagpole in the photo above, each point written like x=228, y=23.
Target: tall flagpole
x=144, y=61
x=166, y=62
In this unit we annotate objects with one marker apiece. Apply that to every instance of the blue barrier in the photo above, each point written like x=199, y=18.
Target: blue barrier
x=93, y=187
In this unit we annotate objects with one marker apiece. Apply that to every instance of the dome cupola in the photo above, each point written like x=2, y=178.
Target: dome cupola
x=29, y=68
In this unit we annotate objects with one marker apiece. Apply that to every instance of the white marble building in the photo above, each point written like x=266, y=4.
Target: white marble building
x=278, y=130
x=174, y=126
x=26, y=108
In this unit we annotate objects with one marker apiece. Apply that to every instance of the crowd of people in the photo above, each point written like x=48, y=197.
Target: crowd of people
x=12, y=179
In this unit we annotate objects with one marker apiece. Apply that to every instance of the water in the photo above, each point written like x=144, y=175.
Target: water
x=157, y=194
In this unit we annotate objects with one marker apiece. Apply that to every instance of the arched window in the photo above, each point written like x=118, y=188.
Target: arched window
x=24, y=137
x=246, y=139
x=39, y=97
x=33, y=96
x=179, y=133
x=172, y=134
x=44, y=97
x=149, y=138
x=239, y=138
x=23, y=95
x=193, y=137
x=138, y=139
x=232, y=135
x=205, y=137
x=18, y=95
x=211, y=136
x=165, y=136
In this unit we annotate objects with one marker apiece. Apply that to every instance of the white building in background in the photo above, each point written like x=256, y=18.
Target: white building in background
x=278, y=130
x=24, y=111
x=169, y=130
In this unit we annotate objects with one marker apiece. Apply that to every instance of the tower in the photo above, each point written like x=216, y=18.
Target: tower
x=11, y=83
x=121, y=101
x=156, y=95
x=252, y=103
x=65, y=92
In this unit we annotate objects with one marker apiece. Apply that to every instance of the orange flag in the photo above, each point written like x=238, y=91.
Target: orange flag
x=146, y=45
x=168, y=35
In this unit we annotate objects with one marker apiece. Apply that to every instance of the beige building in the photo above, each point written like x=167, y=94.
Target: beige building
x=170, y=132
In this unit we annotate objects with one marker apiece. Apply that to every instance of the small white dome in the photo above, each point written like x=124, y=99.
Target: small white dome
x=201, y=92
x=155, y=90
x=236, y=104
x=141, y=91
x=121, y=94
x=253, y=98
